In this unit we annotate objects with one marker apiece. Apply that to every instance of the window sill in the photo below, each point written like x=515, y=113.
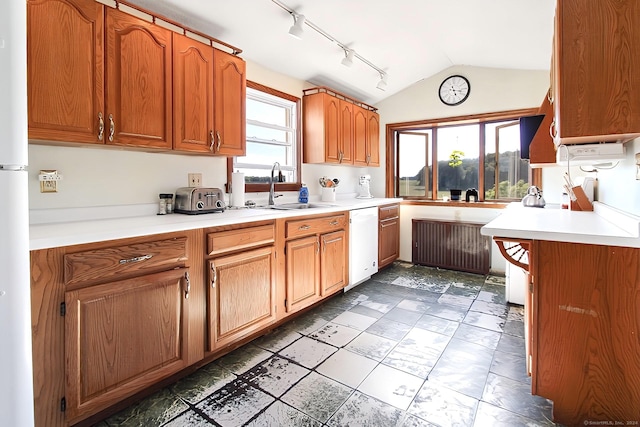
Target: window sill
x=457, y=204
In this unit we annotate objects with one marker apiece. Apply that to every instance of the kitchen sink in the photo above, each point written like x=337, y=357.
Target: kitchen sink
x=290, y=206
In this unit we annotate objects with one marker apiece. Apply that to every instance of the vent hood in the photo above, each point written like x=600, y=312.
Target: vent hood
x=590, y=154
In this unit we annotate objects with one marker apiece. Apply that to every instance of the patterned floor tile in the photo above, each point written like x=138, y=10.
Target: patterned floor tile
x=511, y=344
x=153, y=411
x=464, y=289
x=413, y=421
x=308, y=352
x=408, y=317
x=411, y=305
x=235, y=404
x=244, y=358
x=510, y=366
x=476, y=335
x=282, y=415
x=457, y=300
x=391, y=386
x=418, y=352
x=355, y=320
x=189, y=418
x=371, y=346
x=317, y=396
x=486, y=321
x=444, y=407
x=347, y=367
x=275, y=376
x=499, y=310
x=277, y=340
x=516, y=397
x=202, y=383
x=489, y=415
x=446, y=311
x=389, y=329
x=366, y=311
x=335, y=334
x=362, y=410
x=437, y=324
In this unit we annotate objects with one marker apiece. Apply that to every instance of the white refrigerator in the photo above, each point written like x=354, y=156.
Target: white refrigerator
x=16, y=378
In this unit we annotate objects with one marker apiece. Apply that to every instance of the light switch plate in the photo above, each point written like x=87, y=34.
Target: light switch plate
x=638, y=166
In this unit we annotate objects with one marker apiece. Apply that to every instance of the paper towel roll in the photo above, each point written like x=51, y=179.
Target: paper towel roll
x=237, y=189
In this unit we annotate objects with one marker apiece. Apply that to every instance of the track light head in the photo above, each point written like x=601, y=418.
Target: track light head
x=296, y=29
x=382, y=84
x=347, y=61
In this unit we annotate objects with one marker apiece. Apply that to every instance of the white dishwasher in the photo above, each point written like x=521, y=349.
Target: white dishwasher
x=363, y=245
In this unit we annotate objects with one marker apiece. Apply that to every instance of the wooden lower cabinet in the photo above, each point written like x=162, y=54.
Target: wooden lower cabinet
x=333, y=270
x=241, y=295
x=582, y=331
x=123, y=336
x=388, y=234
x=303, y=272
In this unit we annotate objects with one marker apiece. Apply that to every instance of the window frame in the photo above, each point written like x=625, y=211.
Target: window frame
x=393, y=129
x=284, y=186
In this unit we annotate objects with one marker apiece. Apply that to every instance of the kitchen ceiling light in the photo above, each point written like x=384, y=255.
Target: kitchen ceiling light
x=347, y=61
x=382, y=84
x=296, y=29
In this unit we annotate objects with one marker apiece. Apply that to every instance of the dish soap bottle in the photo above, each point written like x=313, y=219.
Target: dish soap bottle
x=303, y=196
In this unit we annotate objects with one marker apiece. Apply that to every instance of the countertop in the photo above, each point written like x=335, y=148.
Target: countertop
x=604, y=226
x=43, y=236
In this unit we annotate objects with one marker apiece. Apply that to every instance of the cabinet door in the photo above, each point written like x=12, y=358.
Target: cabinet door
x=388, y=241
x=139, y=81
x=65, y=70
x=360, y=136
x=333, y=271
x=373, y=138
x=345, y=144
x=331, y=129
x=230, y=90
x=192, y=95
x=303, y=272
x=121, y=337
x=241, y=295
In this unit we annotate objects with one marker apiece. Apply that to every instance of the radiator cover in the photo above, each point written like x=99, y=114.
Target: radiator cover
x=451, y=245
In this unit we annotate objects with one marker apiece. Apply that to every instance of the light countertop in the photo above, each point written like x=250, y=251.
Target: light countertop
x=43, y=236
x=603, y=226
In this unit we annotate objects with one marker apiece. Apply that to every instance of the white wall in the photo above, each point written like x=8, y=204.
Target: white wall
x=491, y=90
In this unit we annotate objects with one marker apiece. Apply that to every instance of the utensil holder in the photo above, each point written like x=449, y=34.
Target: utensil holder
x=328, y=194
x=582, y=202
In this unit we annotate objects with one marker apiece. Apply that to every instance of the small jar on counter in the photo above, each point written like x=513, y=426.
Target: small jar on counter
x=565, y=201
x=165, y=205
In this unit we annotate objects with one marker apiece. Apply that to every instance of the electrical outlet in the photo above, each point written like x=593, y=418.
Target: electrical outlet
x=49, y=181
x=195, y=179
x=638, y=166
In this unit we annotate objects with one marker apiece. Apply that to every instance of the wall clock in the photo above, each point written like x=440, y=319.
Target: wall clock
x=454, y=90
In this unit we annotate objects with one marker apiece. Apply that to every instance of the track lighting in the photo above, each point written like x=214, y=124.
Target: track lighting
x=296, y=29
x=347, y=61
x=382, y=84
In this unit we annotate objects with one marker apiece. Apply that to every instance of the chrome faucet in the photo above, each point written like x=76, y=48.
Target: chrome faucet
x=271, y=188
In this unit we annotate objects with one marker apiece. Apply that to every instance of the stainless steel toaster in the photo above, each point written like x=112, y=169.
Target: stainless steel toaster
x=199, y=200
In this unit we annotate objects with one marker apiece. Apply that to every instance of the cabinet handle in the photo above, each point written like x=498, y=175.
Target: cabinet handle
x=552, y=129
x=188, y=282
x=334, y=223
x=212, y=141
x=136, y=259
x=368, y=158
x=550, y=95
x=340, y=156
x=112, y=127
x=324, y=246
x=219, y=140
x=100, y=126
x=304, y=227
x=215, y=275
x=317, y=246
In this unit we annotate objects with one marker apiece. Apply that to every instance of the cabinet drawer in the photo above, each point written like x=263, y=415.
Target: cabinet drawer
x=389, y=211
x=101, y=265
x=243, y=238
x=309, y=226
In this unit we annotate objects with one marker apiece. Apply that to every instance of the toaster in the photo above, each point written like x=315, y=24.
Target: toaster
x=198, y=200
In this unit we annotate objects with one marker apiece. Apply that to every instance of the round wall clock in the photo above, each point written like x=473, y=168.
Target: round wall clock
x=454, y=90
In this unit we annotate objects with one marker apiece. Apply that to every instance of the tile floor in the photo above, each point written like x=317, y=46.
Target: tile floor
x=413, y=346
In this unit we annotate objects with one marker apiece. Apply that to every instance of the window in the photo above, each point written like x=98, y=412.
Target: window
x=273, y=135
x=482, y=152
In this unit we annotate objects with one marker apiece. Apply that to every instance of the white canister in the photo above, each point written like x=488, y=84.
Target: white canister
x=328, y=194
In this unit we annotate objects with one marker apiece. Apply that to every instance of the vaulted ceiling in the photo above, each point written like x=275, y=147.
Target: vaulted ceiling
x=410, y=40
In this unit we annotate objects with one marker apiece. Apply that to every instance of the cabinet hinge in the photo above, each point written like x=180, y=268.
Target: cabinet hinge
x=63, y=309
x=63, y=404
x=530, y=287
x=285, y=302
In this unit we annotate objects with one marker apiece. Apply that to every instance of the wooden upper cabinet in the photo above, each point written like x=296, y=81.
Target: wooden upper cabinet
x=373, y=127
x=596, y=84
x=230, y=82
x=65, y=69
x=360, y=136
x=345, y=141
x=139, y=82
x=193, y=103
x=367, y=137
x=542, y=150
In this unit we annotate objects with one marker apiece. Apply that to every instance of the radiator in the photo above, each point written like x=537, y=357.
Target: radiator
x=451, y=245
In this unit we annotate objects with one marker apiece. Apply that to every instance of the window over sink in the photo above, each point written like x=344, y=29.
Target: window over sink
x=273, y=135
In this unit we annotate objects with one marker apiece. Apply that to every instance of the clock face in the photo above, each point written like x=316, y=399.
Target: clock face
x=454, y=90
